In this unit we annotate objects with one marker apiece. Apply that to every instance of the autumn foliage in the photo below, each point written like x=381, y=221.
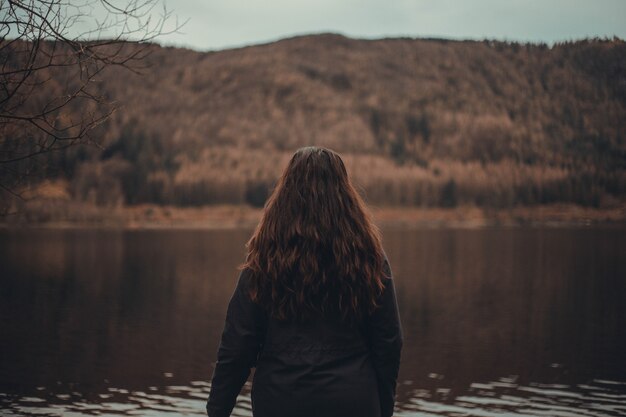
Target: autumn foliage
x=418, y=122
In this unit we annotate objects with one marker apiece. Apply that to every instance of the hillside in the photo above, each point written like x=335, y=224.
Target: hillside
x=419, y=122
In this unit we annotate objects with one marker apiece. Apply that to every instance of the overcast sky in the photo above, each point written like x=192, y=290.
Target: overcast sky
x=219, y=24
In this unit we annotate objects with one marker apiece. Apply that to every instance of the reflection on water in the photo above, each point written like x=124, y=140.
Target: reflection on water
x=496, y=321
x=498, y=398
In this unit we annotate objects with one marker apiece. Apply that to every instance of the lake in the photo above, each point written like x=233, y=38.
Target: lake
x=497, y=321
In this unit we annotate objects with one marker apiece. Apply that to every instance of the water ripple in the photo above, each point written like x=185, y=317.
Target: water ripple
x=504, y=397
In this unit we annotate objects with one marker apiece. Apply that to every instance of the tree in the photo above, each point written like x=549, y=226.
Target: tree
x=51, y=54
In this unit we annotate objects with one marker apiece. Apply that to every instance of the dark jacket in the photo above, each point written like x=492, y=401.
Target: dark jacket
x=321, y=369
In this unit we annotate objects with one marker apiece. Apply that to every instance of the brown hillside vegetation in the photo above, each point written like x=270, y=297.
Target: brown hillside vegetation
x=420, y=123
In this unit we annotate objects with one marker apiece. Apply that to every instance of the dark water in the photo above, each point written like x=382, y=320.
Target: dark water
x=497, y=322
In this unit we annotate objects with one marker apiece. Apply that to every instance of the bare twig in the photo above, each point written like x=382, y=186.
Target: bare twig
x=76, y=40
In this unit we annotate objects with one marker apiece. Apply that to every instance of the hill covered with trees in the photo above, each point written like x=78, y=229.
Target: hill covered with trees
x=419, y=122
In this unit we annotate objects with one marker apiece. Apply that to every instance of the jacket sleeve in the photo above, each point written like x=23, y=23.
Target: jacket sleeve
x=385, y=340
x=238, y=350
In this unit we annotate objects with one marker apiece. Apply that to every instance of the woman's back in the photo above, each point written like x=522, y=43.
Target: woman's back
x=322, y=368
x=318, y=368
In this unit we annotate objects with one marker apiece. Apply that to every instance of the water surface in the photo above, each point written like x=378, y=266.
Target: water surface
x=496, y=321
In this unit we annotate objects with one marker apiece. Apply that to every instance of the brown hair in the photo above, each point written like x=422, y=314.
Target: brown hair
x=315, y=251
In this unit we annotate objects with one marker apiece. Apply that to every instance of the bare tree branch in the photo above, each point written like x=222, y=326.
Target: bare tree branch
x=71, y=40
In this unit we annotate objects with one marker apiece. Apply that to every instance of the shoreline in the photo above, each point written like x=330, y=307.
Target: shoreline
x=73, y=215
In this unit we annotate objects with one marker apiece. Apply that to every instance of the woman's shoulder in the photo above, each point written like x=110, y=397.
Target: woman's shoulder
x=244, y=277
x=387, y=273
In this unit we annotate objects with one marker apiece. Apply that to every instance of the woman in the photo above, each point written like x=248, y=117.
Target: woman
x=315, y=308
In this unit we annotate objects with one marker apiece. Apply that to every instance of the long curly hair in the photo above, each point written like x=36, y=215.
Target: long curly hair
x=315, y=251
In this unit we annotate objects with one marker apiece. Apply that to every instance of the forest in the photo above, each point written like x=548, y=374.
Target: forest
x=419, y=122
